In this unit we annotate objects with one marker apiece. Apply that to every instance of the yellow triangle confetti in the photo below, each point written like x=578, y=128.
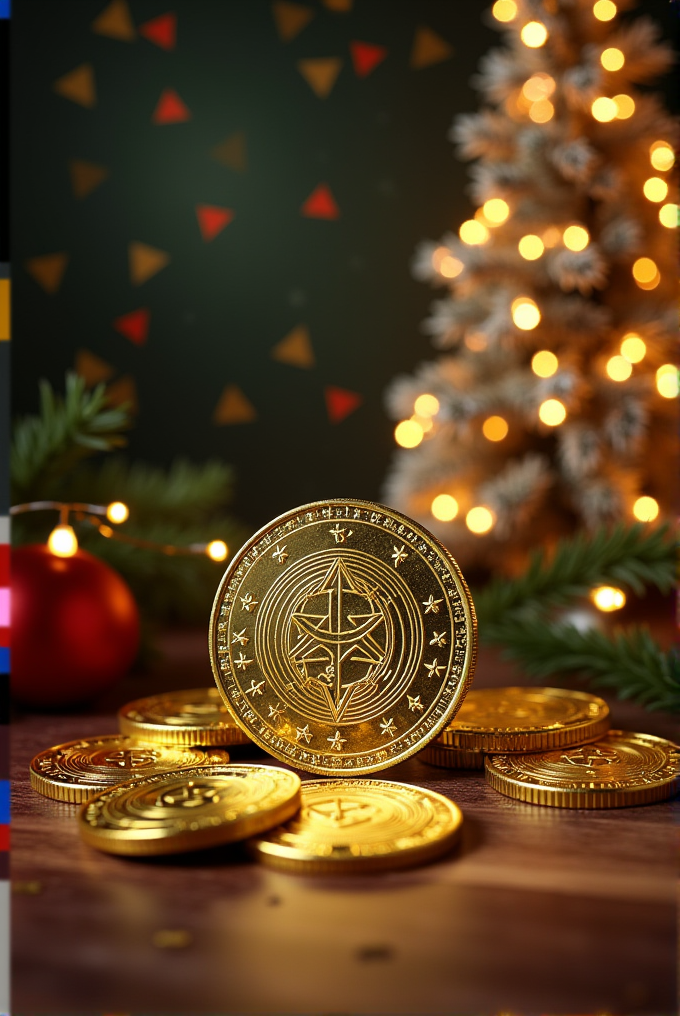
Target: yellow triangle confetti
x=86, y=176
x=234, y=407
x=123, y=391
x=320, y=74
x=232, y=152
x=48, y=270
x=5, y=310
x=295, y=349
x=92, y=368
x=339, y=6
x=145, y=261
x=78, y=86
x=290, y=19
x=429, y=48
x=115, y=22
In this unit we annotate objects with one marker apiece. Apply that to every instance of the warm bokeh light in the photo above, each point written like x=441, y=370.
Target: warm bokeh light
x=646, y=509
x=552, y=412
x=625, y=106
x=534, y=34
x=525, y=313
x=619, y=368
x=633, y=347
x=504, y=10
x=217, y=550
x=608, y=598
x=539, y=86
x=480, y=520
x=476, y=341
x=444, y=507
x=438, y=256
x=612, y=59
x=668, y=216
x=495, y=428
x=496, y=210
x=667, y=381
x=604, y=109
x=117, y=512
x=473, y=232
x=541, y=111
x=644, y=270
x=531, y=247
x=408, y=434
x=604, y=10
x=426, y=405
x=450, y=267
x=544, y=363
x=661, y=156
x=62, y=541
x=552, y=236
x=576, y=237
x=655, y=189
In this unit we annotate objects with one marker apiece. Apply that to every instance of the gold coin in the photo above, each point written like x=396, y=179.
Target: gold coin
x=74, y=771
x=193, y=808
x=361, y=825
x=525, y=719
x=194, y=716
x=436, y=754
x=343, y=637
x=618, y=770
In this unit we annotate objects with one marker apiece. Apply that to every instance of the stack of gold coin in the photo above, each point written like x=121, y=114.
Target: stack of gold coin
x=513, y=719
x=196, y=716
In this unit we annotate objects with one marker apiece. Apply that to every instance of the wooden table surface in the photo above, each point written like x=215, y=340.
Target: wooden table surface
x=540, y=911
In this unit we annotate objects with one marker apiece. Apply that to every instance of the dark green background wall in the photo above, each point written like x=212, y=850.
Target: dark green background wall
x=219, y=307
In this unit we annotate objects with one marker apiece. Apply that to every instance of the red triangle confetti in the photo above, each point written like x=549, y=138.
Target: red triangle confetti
x=170, y=108
x=321, y=204
x=134, y=326
x=162, y=31
x=212, y=219
x=366, y=57
x=340, y=403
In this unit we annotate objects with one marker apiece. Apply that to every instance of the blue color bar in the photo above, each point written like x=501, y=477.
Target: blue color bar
x=4, y=802
x=4, y=660
x=4, y=8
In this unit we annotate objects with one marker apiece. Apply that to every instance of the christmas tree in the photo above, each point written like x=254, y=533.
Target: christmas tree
x=553, y=406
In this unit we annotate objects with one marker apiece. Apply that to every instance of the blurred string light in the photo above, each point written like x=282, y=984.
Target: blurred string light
x=496, y=211
x=62, y=541
x=655, y=189
x=473, y=232
x=668, y=216
x=544, y=363
x=408, y=433
x=495, y=428
x=444, y=263
x=604, y=10
x=576, y=238
x=531, y=247
x=633, y=347
x=619, y=368
x=426, y=405
x=552, y=412
x=608, y=598
x=625, y=106
x=534, y=34
x=612, y=59
x=525, y=313
x=604, y=109
x=552, y=237
x=646, y=273
x=504, y=10
x=667, y=381
x=541, y=111
x=646, y=509
x=476, y=341
x=538, y=86
x=480, y=520
x=444, y=507
x=661, y=156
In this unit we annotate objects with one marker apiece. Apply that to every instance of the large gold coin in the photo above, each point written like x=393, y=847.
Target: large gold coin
x=194, y=716
x=525, y=719
x=618, y=770
x=361, y=825
x=74, y=771
x=202, y=806
x=343, y=637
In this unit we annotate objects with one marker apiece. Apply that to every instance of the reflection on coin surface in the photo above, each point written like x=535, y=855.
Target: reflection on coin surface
x=525, y=719
x=193, y=808
x=361, y=825
x=193, y=716
x=76, y=770
x=436, y=754
x=342, y=637
x=617, y=770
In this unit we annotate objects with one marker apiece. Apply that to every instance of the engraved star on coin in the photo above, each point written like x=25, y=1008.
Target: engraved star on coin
x=240, y=637
x=248, y=602
x=399, y=555
x=279, y=554
x=255, y=687
x=387, y=727
x=276, y=711
x=434, y=668
x=241, y=661
x=438, y=639
x=414, y=704
x=431, y=605
x=337, y=741
x=339, y=534
x=303, y=733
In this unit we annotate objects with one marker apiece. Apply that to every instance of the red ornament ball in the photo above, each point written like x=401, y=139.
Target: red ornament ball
x=75, y=627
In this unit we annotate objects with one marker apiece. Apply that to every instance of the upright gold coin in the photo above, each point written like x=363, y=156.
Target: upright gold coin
x=193, y=808
x=194, y=716
x=74, y=771
x=361, y=825
x=618, y=770
x=525, y=719
x=343, y=637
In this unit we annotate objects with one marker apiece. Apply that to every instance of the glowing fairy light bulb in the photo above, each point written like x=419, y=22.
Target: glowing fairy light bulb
x=473, y=232
x=117, y=512
x=480, y=520
x=625, y=106
x=646, y=509
x=646, y=273
x=655, y=189
x=619, y=368
x=661, y=156
x=604, y=10
x=667, y=381
x=496, y=211
x=576, y=238
x=444, y=507
x=544, y=363
x=426, y=405
x=525, y=313
x=504, y=10
x=408, y=434
x=552, y=412
x=217, y=550
x=534, y=34
x=450, y=267
x=612, y=59
x=604, y=109
x=62, y=541
x=668, y=216
x=495, y=428
x=608, y=598
x=538, y=86
x=633, y=347
x=541, y=111
x=531, y=247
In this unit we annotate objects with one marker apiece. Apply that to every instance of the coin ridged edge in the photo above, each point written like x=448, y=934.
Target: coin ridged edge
x=188, y=737
x=452, y=758
x=65, y=792
x=526, y=741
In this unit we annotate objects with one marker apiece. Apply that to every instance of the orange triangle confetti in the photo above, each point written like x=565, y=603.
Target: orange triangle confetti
x=232, y=152
x=145, y=261
x=234, y=407
x=48, y=270
x=320, y=74
x=123, y=392
x=115, y=22
x=170, y=109
x=86, y=177
x=92, y=368
x=340, y=403
x=338, y=6
x=295, y=349
x=366, y=57
x=429, y=48
x=321, y=204
x=212, y=220
x=290, y=19
x=134, y=326
x=78, y=86
x=162, y=31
